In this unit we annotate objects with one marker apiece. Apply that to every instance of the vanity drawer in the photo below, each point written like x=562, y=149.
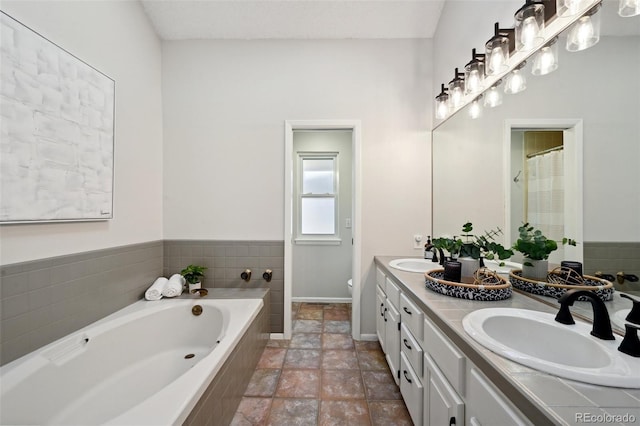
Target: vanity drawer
x=411, y=348
x=448, y=358
x=411, y=390
x=393, y=293
x=380, y=277
x=411, y=316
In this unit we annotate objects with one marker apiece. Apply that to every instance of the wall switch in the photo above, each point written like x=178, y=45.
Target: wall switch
x=417, y=241
x=347, y=223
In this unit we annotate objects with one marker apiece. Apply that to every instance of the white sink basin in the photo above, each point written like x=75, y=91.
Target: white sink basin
x=536, y=340
x=414, y=264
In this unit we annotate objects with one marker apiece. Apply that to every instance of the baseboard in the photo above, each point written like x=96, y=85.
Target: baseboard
x=321, y=299
x=369, y=337
x=276, y=336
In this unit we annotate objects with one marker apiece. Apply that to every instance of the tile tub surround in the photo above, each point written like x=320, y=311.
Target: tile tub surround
x=218, y=404
x=226, y=260
x=44, y=300
x=611, y=258
x=543, y=398
x=322, y=376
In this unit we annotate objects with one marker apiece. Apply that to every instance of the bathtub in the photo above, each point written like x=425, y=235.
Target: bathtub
x=147, y=364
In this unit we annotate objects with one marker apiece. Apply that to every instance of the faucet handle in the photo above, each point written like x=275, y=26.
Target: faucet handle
x=202, y=292
x=634, y=314
x=630, y=344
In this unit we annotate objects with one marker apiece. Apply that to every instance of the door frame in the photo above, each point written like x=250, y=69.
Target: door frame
x=356, y=128
x=573, y=148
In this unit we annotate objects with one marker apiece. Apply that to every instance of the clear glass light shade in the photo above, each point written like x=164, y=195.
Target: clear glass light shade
x=442, y=106
x=570, y=7
x=516, y=83
x=492, y=97
x=497, y=55
x=475, y=109
x=545, y=60
x=584, y=33
x=529, y=26
x=456, y=93
x=629, y=8
x=474, y=77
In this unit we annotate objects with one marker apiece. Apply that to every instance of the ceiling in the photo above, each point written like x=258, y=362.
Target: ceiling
x=293, y=19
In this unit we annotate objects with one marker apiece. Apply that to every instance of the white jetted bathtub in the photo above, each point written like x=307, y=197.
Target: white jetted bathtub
x=147, y=364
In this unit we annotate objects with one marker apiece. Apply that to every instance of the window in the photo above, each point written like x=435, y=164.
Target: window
x=317, y=200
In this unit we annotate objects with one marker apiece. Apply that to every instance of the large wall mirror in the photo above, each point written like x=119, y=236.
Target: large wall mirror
x=589, y=111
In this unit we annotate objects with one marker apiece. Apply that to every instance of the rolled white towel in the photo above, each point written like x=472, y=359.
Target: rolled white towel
x=174, y=286
x=155, y=291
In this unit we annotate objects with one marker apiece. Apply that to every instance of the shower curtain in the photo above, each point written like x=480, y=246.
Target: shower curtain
x=545, y=197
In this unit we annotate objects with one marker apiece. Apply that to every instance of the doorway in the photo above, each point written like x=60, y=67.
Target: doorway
x=320, y=256
x=543, y=184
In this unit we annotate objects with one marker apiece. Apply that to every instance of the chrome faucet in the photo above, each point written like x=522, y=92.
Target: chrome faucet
x=601, y=323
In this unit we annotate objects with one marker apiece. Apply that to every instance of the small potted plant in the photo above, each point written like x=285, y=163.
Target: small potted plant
x=472, y=248
x=536, y=248
x=193, y=274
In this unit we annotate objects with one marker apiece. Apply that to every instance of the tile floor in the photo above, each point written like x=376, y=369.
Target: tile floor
x=322, y=376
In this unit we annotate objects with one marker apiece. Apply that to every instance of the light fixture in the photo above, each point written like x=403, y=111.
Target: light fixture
x=529, y=25
x=493, y=96
x=498, y=49
x=474, y=73
x=585, y=32
x=570, y=7
x=546, y=59
x=456, y=90
x=629, y=8
x=442, y=103
x=475, y=109
x=516, y=81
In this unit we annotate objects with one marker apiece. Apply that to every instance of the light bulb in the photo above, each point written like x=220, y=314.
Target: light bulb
x=473, y=83
x=584, y=34
x=442, y=109
x=569, y=7
x=455, y=96
x=545, y=61
x=475, y=109
x=530, y=31
x=497, y=62
x=516, y=83
x=493, y=97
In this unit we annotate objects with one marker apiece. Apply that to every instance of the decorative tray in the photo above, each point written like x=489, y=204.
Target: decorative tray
x=602, y=288
x=487, y=286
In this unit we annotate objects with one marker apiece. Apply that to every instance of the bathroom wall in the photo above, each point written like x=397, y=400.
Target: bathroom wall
x=225, y=103
x=116, y=38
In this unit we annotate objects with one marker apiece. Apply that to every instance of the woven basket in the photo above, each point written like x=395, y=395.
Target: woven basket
x=602, y=288
x=434, y=280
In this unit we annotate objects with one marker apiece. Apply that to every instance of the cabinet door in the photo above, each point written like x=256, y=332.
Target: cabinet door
x=392, y=340
x=487, y=407
x=381, y=317
x=411, y=389
x=442, y=405
x=411, y=348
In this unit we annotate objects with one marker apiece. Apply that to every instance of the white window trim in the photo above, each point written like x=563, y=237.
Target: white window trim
x=317, y=239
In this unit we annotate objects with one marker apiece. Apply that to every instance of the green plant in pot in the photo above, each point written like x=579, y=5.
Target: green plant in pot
x=193, y=274
x=471, y=248
x=536, y=248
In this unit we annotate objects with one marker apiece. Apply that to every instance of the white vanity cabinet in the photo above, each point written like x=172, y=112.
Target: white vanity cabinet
x=381, y=315
x=388, y=321
x=442, y=405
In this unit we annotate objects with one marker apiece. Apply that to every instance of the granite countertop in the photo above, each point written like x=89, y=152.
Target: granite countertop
x=543, y=398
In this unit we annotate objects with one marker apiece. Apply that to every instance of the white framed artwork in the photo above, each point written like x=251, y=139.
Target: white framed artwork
x=56, y=132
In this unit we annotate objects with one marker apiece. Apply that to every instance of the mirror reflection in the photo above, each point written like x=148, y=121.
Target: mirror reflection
x=582, y=122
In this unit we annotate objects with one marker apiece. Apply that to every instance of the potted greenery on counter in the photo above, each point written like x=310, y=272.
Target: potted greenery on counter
x=470, y=248
x=536, y=248
x=193, y=274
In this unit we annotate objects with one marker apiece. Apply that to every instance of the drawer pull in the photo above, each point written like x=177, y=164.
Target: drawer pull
x=385, y=314
x=407, y=344
x=452, y=421
x=406, y=377
x=406, y=310
x=381, y=309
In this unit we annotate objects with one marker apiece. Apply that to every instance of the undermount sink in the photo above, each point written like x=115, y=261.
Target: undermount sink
x=536, y=340
x=414, y=264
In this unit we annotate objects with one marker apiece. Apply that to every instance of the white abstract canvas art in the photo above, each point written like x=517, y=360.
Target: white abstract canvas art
x=56, y=130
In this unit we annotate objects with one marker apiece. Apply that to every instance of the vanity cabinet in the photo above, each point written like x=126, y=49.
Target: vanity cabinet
x=439, y=384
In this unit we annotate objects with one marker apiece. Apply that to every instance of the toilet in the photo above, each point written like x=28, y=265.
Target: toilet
x=350, y=285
